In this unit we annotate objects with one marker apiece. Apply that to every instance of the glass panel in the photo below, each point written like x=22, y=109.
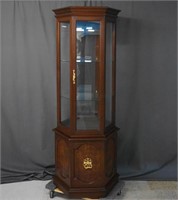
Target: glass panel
x=108, y=75
x=65, y=72
x=87, y=63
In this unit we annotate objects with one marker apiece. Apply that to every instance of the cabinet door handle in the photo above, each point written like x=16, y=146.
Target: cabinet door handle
x=73, y=76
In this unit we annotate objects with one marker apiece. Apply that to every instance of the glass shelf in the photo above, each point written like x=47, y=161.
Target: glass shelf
x=82, y=97
x=65, y=61
x=87, y=107
x=86, y=59
x=89, y=122
x=87, y=62
x=81, y=61
x=84, y=122
x=65, y=97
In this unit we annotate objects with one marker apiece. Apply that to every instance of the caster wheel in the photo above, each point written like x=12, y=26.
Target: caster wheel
x=51, y=194
x=119, y=193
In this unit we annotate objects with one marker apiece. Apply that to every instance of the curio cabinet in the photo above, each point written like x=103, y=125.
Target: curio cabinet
x=86, y=135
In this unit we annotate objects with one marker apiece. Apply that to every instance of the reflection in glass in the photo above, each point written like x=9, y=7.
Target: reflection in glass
x=108, y=75
x=64, y=72
x=87, y=63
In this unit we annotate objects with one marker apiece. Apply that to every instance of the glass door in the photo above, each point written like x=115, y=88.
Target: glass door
x=64, y=63
x=87, y=74
x=109, y=74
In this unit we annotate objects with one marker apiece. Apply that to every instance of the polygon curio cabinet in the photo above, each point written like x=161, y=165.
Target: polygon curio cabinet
x=86, y=135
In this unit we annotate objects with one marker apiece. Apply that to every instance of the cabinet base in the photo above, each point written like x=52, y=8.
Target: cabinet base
x=85, y=193
x=85, y=167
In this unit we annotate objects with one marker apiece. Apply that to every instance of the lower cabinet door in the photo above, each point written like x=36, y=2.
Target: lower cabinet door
x=88, y=164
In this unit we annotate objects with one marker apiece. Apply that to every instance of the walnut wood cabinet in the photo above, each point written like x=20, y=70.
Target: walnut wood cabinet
x=86, y=135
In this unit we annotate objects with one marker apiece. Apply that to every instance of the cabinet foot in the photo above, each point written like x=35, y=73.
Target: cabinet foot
x=54, y=191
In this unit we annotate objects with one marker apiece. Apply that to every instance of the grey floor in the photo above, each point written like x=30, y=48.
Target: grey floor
x=35, y=190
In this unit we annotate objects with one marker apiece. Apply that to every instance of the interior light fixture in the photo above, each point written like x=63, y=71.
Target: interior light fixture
x=80, y=29
x=88, y=61
x=91, y=30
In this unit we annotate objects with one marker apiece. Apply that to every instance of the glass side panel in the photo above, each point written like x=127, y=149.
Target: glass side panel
x=65, y=72
x=87, y=66
x=108, y=75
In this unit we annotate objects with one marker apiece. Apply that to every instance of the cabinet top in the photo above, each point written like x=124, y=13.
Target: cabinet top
x=86, y=11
